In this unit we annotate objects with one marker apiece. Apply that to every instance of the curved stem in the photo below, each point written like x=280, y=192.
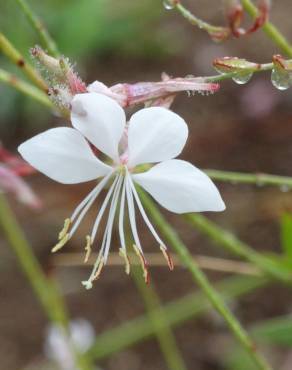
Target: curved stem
x=201, y=279
x=271, y=31
x=215, y=32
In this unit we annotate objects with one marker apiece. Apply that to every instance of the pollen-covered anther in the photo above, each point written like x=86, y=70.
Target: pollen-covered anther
x=144, y=264
x=124, y=255
x=61, y=243
x=167, y=256
x=87, y=248
x=64, y=231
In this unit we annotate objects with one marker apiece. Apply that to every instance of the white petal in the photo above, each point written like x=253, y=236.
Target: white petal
x=180, y=187
x=100, y=119
x=155, y=134
x=63, y=155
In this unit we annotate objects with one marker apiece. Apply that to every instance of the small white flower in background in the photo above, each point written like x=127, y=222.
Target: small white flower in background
x=152, y=135
x=58, y=346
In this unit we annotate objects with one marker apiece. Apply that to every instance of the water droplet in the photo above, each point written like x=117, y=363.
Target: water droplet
x=280, y=79
x=168, y=4
x=242, y=78
x=284, y=188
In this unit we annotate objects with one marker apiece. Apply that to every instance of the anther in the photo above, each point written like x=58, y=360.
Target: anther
x=87, y=248
x=64, y=231
x=87, y=284
x=144, y=264
x=124, y=255
x=61, y=243
x=167, y=256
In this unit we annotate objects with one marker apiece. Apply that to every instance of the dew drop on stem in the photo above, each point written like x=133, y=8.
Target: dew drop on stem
x=280, y=79
x=242, y=78
x=168, y=4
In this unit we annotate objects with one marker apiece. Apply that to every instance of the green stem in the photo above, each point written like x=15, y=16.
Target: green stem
x=228, y=241
x=215, y=31
x=161, y=326
x=45, y=288
x=201, y=279
x=174, y=313
x=224, y=76
x=274, y=34
x=25, y=88
x=15, y=56
x=259, y=179
x=39, y=27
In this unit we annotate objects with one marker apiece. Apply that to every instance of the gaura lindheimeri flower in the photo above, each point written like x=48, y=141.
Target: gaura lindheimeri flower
x=152, y=135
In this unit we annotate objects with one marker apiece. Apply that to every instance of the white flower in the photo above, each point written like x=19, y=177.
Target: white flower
x=152, y=135
x=59, y=345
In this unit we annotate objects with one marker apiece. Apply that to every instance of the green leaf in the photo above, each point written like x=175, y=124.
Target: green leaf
x=286, y=234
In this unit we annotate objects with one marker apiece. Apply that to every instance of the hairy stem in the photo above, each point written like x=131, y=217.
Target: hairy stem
x=201, y=279
x=39, y=27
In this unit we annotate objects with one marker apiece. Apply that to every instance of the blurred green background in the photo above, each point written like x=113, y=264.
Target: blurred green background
x=240, y=128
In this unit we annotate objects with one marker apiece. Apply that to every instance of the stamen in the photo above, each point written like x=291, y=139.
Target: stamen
x=144, y=264
x=121, y=218
x=150, y=226
x=143, y=213
x=61, y=243
x=124, y=255
x=167, y=256
x=93, y=195
x=87, y=248
x=64, y=231
x=102, y=209
x=101, y=259
x=111, y=217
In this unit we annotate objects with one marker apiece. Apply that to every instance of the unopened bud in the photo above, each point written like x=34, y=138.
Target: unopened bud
x=234, y=64
x=50, y=63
